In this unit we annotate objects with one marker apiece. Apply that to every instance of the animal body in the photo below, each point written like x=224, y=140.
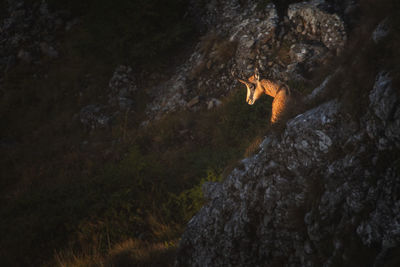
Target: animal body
x=256, y=88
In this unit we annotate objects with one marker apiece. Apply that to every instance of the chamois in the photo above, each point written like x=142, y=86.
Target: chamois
x=256, y=87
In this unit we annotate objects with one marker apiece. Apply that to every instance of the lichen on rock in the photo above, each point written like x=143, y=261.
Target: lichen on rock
x=287, y=204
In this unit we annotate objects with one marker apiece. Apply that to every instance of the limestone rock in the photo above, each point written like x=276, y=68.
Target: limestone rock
x=213, y=103
x=94, y=116
x=381, y=31
x=282, y=205
x=244, y=38
x=28, y=32
x=324, y=27
x=384, y=113
x=123, y=85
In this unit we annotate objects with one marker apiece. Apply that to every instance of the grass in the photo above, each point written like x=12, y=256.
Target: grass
x=362, y=60
x=126, y=195
x=79, y=202
x=127, y=253
x=217, y=48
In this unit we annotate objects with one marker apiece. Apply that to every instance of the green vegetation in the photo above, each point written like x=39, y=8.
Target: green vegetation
x=68, y=203
x=149, y=194
x=125, y=195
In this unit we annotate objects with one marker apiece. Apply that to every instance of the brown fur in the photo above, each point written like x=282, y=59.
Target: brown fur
x=280, y=93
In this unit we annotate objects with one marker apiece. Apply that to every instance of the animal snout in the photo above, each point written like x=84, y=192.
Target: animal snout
x=250, y=102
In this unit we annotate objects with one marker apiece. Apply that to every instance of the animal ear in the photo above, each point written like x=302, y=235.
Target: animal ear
x=243, y=81
x=256, y=74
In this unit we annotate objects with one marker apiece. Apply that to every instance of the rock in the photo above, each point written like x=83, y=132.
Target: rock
x=48, y=50
x=381, y=226
x=300, y=192
x=383, y=97
x=24, y=56
x=301, y=52
x=123, y=85
x=213, y=103
x=384, y=113
x=327, y=28
x=249, y=43
x=193, y=102
x=28, y=31
x=211, y=190
x=381, y=31
x=125, y=103
x=244, y=36
x=94, y=116
x=122, y=82
x=322, y=87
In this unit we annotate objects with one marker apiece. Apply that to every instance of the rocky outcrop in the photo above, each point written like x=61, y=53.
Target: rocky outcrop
x=311, y=20
x=29, y=33
x=243, y=35
x=95, y=116
x=123, y=85
x=325, y=192
x=121, y=90
x=384, y=113
x=381, y=31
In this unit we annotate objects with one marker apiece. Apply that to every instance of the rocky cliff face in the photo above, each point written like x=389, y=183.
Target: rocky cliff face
x=238, y=36
x=243, y=35
x=29, y=33
x=324, y=192
x=299, y=202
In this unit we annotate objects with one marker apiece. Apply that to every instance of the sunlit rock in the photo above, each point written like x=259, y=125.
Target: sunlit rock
x=310, y=185
x=318, y=24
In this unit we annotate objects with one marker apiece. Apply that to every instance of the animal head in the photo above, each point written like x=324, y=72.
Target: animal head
x=254, y=88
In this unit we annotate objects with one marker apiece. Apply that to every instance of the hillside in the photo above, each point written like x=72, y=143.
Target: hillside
x=126, y=140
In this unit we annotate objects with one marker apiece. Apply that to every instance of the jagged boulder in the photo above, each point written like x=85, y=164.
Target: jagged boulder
x=123, y=85
x=383, y=119
x=381, y=31
x=243, y=38
x=310, y=19
x=28, y=33
x=95, y=116
x=322, y=193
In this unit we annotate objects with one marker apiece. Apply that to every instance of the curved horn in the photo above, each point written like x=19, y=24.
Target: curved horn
x=244, y=82
x=240, y=79
x=257, y=74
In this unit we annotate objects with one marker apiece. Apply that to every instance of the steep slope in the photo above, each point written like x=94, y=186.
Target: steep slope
x=106, y=138
x=326, y=190
x=301, y=202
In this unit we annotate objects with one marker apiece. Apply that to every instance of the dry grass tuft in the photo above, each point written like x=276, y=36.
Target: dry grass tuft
x=224, y=50
x=198, y=70
x=207, y=42
x=283, y=54
x=139, y=253
x=70, y=259
x=124, y=254
x=217, y=48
